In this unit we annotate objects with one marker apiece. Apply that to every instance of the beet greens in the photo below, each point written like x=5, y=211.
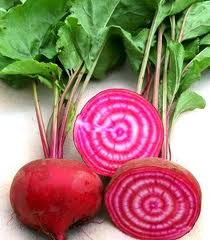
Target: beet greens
x=178, y=63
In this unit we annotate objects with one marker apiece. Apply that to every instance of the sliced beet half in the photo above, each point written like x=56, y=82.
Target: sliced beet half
x=115, y=126
x=153, y=199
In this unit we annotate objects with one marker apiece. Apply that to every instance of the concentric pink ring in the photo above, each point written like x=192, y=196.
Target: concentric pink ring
x=115, y=126
x=156, y=201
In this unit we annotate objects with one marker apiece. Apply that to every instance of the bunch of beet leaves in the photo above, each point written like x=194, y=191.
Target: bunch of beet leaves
x=119, y=133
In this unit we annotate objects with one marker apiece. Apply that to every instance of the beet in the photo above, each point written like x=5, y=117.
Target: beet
x=115, y=126
x=153, y=199
x=50, y=195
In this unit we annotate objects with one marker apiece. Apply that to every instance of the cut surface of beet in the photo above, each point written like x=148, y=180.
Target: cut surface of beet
x=115, y=126
x=153, y=199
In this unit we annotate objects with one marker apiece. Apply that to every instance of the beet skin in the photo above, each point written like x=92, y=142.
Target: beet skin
x=50, y=195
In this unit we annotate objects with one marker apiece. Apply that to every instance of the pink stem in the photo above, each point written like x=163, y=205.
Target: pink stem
x=62, y=134
x=158, y=68
x=148, y=79
x=54, y=130
x=169, y=152
x=166, y=146
x=146, y=53
x=165, y=107
x=181, y=34
x=168, y=116
x=166, y=151
x=147, y=89
x=68, y=86
x=40, y=122
x=88, y=78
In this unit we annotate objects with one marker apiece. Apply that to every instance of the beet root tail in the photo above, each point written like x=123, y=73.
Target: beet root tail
x=60, y=236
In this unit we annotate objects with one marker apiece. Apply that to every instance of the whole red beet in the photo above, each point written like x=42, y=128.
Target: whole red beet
x=50, y=195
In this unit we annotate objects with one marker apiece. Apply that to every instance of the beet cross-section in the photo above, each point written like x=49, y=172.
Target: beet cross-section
x=115, y=126
x=153, y=199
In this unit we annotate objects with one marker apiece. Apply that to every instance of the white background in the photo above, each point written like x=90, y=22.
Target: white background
x=20, y=143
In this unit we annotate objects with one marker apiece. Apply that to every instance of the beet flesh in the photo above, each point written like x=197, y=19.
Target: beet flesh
x=153, y=199
x=115, y=126
x=50, y=195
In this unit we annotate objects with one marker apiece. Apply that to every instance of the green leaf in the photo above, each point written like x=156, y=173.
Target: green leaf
x=137, y=14
x=16, y=81
x=191, y=48
x=4, y=61
x=81, y=39
x=179, y=5
x=119, y=41
x=48, y=48
x=82, y=47
x=205, y=40
x=95, y=15
x=112, y=55
x=46, y=72
x=177, y=55
x=94, y=33
x=6, y=4
x=168, y=8
x=135, y=46
x=91, y=32
x=23, y=29
x=192, y=72
x=114, y=40
x=111, y=12
x=188, y=101
x=112, y=51
x=45, y=81
x=66, y=49
x=86, y=47
x=164, y=9
x=196, y=21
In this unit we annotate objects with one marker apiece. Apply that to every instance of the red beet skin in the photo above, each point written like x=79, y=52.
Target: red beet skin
x=115, y=126
x=51, y=195
x=153, y=199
